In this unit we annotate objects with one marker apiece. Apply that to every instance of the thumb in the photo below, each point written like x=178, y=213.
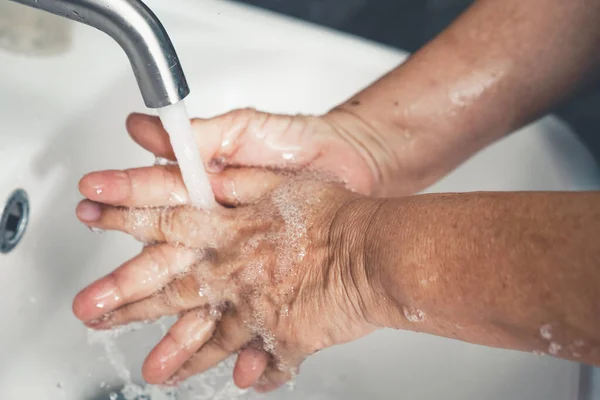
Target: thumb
x=240, y=186
x=249, y=138
x=240, y=138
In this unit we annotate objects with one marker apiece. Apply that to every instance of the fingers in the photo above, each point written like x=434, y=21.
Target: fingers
x=230, y=335
x=273, y=378
x=136, y=279
x=241, y=138
x=190, y=226
x=161, y=186
x=249, y=367
x=180, y=295
x=182, y=341
x=156, y=186
x=142, y=223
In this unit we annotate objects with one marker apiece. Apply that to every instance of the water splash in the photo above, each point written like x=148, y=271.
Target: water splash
x=164, y=162
x=213, y=384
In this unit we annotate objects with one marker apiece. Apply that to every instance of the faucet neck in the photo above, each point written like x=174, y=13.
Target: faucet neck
x=141, y=35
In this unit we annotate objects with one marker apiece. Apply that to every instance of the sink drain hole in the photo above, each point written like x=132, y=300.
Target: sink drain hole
x=13, y=221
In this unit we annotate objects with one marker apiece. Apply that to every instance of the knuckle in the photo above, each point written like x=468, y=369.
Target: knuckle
x=115, y=279
x=168, y=178
x=170, y=300
x=181, y=294
x=126, y=219
x=166, y=224
x=224, y=340
x=137, y=220
x=179, y=342
x=191, y=367
x=242, y=114
x=129, y=179
x=239, y=120
x=157, y=256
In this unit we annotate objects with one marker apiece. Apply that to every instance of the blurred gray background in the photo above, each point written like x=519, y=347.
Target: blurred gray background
x=408, y=25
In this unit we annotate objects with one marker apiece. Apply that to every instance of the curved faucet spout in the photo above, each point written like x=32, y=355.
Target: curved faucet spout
x=139, y=32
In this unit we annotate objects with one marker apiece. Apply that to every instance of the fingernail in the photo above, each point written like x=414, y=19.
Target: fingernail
x=89, y=211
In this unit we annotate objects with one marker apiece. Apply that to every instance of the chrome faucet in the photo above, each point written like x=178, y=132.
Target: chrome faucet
x=141, y=35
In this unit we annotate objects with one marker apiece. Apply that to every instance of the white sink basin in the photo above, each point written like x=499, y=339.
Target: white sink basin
x=64, y=116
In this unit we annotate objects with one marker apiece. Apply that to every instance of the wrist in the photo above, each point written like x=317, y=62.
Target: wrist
x=398, y=258
x=403, y=159
x=408, y=150
x=361, y=280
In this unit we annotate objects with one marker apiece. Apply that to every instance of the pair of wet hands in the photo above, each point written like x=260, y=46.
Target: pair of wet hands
x=252, y=277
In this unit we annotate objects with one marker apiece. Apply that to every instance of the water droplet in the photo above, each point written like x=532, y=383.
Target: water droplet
x=546, y=331
x=291, y=385
x=215, y=313
x=204, y=290
x=163, y=161
x=554, y=348
x=413, y=314
x=177, y=198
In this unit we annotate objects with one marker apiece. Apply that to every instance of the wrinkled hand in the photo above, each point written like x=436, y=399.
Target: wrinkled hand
x=270, y=277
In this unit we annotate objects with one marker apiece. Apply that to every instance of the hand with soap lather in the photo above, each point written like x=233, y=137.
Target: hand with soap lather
x=276, y=280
